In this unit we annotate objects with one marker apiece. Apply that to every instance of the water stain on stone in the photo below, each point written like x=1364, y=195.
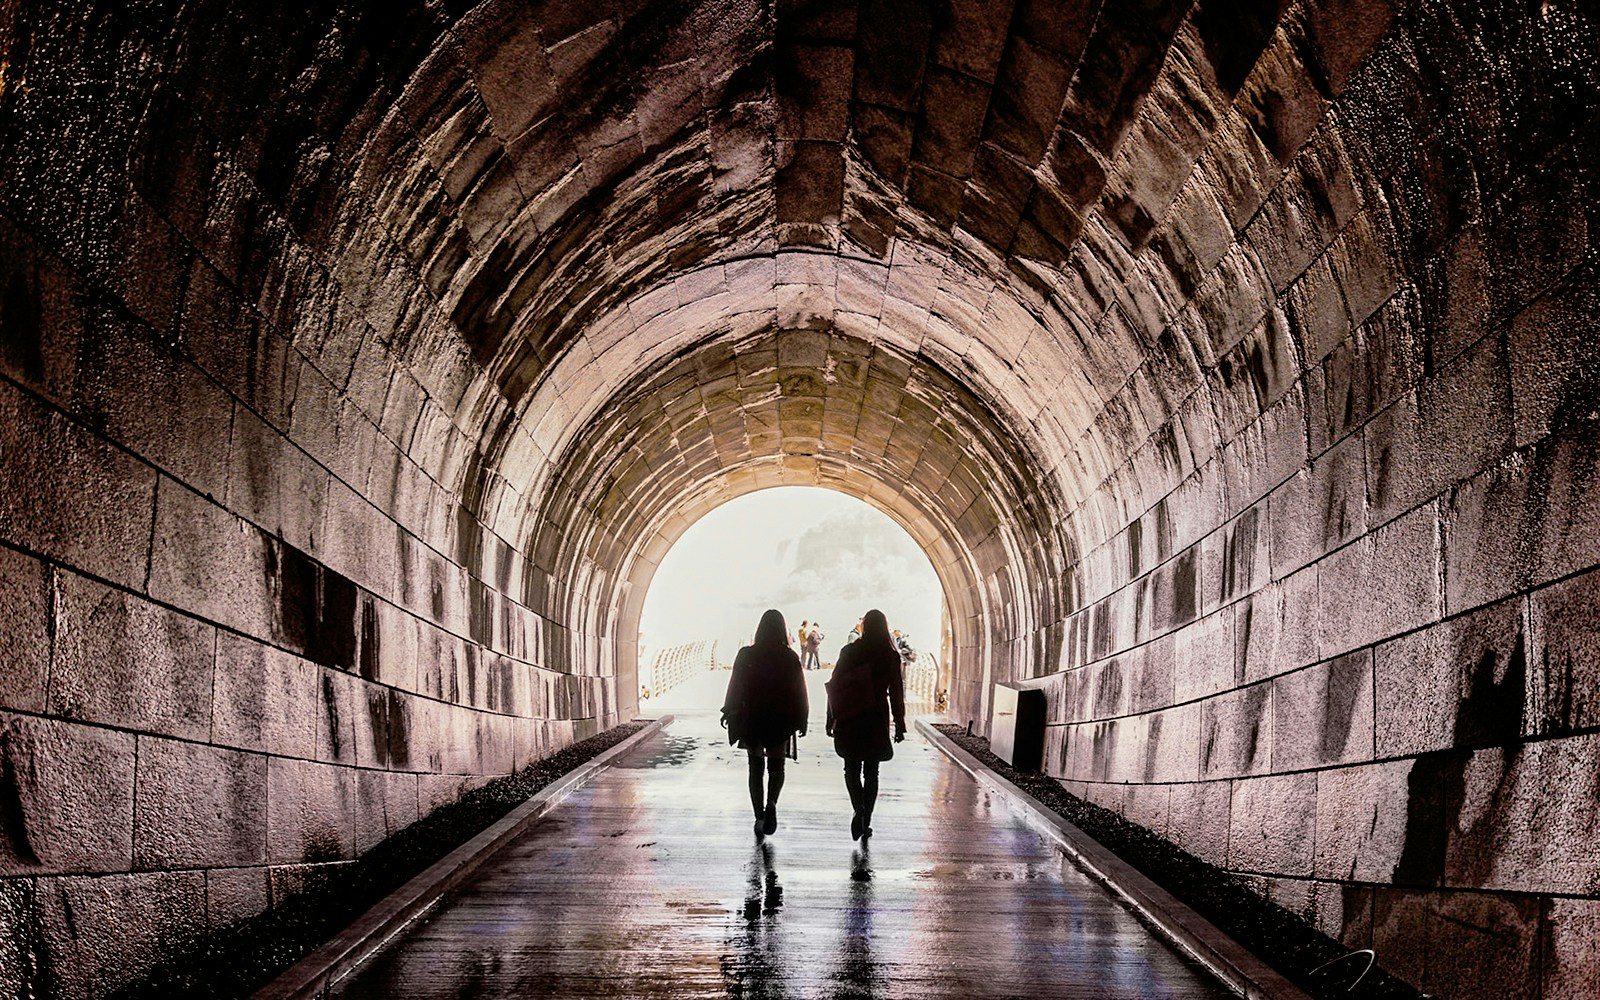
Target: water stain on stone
x=1335, y=514
x=321, y=847
x=1108, y=693
x=1345, y=677
x=1243, y=623
x=1558, y=711
x=333, y=643
x=468, y=538
x=34, y=973
x=399, y=733
x=1141, y=604
x=1152, y=746
x=330, y=706
x=1101, y=630
x=13, y=817
x=1163, y=530
x=1259, y=365
x=1104, y=740
x=1135, y=547
x=1255, y=704
x=293, y=578
x=1208, y=739
x=1380, y=484
x=405, y=556
x=378, y=722
x=369, y=638
x=23, y=323
x=480, y=624
x=504, y=557
x=1239, y=555
x=1185, y=587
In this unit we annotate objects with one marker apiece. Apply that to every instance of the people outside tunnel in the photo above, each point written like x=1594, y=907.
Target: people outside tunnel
x=866, y=693
x=902, y=643
x=808, y=655
x=855, y=631
x=765, y=713
x=800, y=636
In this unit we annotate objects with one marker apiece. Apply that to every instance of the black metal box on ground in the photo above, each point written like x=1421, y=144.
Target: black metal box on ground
x=1016, y=729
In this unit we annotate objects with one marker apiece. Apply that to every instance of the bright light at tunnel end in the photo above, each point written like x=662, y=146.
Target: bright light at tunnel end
x=814, y=554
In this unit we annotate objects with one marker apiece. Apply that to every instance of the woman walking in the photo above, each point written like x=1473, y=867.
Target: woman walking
x=765, y=708
x=866, y=690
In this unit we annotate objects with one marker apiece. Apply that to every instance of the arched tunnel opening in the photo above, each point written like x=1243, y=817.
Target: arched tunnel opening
x=820, y=557
x=1234, y=362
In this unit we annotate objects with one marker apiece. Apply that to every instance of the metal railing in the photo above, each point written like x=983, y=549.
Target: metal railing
x=922, y=683
x=675, y=664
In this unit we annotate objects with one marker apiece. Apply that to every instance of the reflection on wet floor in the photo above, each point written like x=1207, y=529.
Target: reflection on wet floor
x=648, y=883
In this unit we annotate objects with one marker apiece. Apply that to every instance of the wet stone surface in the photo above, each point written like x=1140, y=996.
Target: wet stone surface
x=1271, y=932
x=649, y=882
x=240, y=958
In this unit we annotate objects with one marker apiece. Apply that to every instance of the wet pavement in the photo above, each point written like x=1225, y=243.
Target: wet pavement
x=649, y=882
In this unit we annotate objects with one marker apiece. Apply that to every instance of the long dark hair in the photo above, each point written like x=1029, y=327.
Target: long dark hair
x=772, y=631
x=875, y=634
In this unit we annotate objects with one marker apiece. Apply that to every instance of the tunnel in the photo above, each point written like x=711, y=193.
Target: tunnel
x=1235, y=362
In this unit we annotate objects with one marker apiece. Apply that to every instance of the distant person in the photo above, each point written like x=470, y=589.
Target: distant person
x=855, y=632
x=800, y=635
x=765, y=708
x=902, y=643
x=808, y=659
x=866, y=690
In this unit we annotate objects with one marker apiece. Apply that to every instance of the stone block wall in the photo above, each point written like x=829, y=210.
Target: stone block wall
x=1234, y=362
x=251, y=626
x=1348, y=652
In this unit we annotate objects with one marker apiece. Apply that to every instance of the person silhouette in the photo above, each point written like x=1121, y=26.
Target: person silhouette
x=813, y=643
x=764, y=711
x=866, y=689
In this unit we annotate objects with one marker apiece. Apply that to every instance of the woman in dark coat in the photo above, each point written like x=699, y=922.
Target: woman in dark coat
x=765, y=708
x=866, y=689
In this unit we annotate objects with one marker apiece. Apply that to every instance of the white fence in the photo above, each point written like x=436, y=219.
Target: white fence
x=675, y=664
x=922, y=684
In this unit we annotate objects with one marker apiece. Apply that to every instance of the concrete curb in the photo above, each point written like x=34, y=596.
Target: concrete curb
x=1238, y=968
x=313, y=975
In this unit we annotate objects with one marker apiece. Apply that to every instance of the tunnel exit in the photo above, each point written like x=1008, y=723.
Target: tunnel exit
x=820, y=557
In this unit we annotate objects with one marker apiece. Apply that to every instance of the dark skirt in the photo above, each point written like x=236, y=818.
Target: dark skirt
x=864, y=736
x=767, y=733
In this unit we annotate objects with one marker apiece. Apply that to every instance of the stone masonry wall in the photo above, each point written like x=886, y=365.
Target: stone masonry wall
x=1271, y=325
x=1351, y=654
x=249, y=629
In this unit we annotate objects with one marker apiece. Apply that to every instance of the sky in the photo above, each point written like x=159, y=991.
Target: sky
x=811, y=553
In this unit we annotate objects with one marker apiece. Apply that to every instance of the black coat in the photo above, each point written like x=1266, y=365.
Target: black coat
x=766, y=701
x=867, y=686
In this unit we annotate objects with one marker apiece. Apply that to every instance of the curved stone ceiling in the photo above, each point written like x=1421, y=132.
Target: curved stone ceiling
x=811, y=407
x=1039, y=200
x=1233, y=359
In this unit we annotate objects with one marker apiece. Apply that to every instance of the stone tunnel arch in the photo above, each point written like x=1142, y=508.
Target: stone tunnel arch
x=813, y=407
x=1275, y=321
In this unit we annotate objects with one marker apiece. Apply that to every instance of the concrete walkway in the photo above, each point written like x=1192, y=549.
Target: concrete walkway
x=648, y=882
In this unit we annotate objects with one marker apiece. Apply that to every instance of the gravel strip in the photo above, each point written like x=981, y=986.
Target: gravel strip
x=1279, y=937
x=237, y=960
